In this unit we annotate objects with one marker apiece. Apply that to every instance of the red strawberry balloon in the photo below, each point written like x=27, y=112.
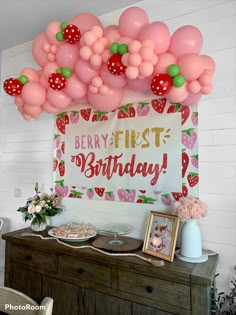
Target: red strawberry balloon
x=71, y=34
x=57, y=81
x=12, y=86
x=161, y=84
x=115, y=66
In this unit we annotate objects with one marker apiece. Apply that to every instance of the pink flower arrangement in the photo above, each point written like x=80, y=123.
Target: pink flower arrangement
x=189, y=208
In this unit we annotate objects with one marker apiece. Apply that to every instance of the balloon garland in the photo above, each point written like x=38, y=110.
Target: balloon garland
x=83, y=62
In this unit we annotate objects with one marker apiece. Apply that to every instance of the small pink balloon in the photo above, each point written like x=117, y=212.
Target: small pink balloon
x=131, y=22
x=205, y=79
x=112, y=33
x=31, y=74
x=50, y=68
x=67, y=55
x=58, y=98
x=33, y=111
x=51, y=30
x=191, y=66
x=26, y=117
x=177, y=94
x=33, y=93
x=74, y=88
x=141, y=85
x=186, y=40
x=84, y=72
x=192, y=99
x=38, y=53
x=114, y=81
x=43, y=81
x=47, y=107
x=85, y=21
x=106, y=103
x=164, y=61
x=209, y=63
x=193, y=87
x=159, y=33
x=18, y=100
x=146, y=69
x=206, y=89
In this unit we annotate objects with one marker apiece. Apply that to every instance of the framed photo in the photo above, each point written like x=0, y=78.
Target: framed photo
x=161, y=235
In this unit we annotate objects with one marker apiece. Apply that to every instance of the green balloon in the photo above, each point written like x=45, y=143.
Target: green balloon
x=59, y=36
x=114, y=48
x=123, y=49
x=23, y=79
x=173, y=70
x=59, y=70
x=178, y=80
x=63, y=26
x=66, y=72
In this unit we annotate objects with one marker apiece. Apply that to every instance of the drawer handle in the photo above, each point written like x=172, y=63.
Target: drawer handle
x=28, y=257
x=149, y=289
x=80, y=271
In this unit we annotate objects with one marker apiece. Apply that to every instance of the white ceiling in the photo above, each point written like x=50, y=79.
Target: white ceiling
x=22, y=20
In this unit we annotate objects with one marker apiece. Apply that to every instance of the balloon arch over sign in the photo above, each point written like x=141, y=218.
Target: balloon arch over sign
x=84, y=63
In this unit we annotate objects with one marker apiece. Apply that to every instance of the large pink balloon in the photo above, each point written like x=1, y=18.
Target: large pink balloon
x=177, y=94
x=50, y=68
x=131, y=22
x=47, y=107
x=51, y=30
x=111, y=80
x=191, y=66
x=33, y=93
x=159, y=33
x=67, y=55
x=32, y=74
x=186, y=40
x=85, y=21
x=39, y=54
x=141, y=85
x=112, y=33
x=192, y=99
x=75, y=88
x=164, y=61
x=84, y=72
x=106, y=103
x=58, y=98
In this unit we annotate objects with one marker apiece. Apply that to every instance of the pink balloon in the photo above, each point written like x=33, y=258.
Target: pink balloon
x=47, y=107
x=112, y=33
x=209, y=63
x=33, y=93
x=111, y=80
x=39, y=54
x=177, y=94
x=186, y=40
x=51, y=30
x=131, y=22
x=141, y=85
x=194, y=86
x=33, y=111
x=84, y=72
x=159, y=33
x=58, y=98
x=85, y=21
x=50, y=68
x=67, y=55
x=31, y=74
x=107, y=102
x=43, y=81
x=191, y=66
x=74, y=88
x=164, y=61
x=82, y=100
x=18, y=100
x=192, y=99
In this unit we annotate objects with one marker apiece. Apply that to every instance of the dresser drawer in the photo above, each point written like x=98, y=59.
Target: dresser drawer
x=27, y=256
x=156, y=289
x=85, y=271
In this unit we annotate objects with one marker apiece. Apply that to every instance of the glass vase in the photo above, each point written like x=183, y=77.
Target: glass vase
x=38, y=226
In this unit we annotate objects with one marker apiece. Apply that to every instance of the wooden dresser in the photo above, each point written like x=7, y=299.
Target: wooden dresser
x=85, y=282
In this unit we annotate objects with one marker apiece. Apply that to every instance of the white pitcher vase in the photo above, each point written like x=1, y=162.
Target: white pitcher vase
x=190, y=240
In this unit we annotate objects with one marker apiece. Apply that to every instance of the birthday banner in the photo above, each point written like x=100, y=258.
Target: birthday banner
x=143, y=152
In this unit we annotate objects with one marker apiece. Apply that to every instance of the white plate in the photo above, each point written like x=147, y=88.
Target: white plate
x=89, y=235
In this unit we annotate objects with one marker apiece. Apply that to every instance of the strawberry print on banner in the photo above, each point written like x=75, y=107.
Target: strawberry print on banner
x=98, y=155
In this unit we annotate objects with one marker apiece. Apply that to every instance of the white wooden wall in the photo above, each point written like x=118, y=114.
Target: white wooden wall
x=26, y=146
